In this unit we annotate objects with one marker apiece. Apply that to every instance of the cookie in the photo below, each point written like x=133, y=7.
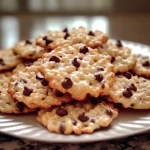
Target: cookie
x=131, y=91
x=29, y=86
x=53, y=39
x=8, y=60
x=121, y=57
x=28, y=49
x=78, y=70
x=142, y=66
x=7, y=103
x=77, y=118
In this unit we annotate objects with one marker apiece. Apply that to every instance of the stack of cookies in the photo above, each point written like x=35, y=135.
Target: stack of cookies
x=73, y=80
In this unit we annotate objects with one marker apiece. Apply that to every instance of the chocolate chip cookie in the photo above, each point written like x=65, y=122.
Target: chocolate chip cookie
x=7, y=103
x=53, y=39
x=8, y=60
x=78, y=70
x=29, y=86
x=77, y=118
x=131, y=91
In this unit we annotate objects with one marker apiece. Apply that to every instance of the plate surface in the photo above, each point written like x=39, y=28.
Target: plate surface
x=128, y=122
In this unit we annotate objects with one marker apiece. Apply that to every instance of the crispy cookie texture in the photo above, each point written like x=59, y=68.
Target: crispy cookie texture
x=78, y=70
x=53, y=39
x=28, y=49
x=142, y=66
x=121, y=56
x=79, y=118
x=131, y=91
x=29, y=86
x=8, y=60
x=7, y=103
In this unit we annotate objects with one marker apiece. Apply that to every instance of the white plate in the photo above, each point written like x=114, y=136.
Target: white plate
x=129, y=121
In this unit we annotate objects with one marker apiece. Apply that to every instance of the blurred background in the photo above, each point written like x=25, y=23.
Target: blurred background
x=121, y=19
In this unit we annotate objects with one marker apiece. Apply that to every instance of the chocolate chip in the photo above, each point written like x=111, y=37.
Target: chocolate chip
x=2, y=62
x=128, y=75
x=100, y=68
x=88, y=97
x=54, y=58
x=127, y=93
x=47, y=41
x=76, y=63
x=67, y=83
x=58, y=93
x=133, y=87
x=92, y=120
x=84, y=49
x=109, y=112
x=82, y=117
x=146, y=63
x=61, y=112
x=74, y=122
x=39, y=76
x=28, y=42
x=66, y=35
x=65, y=30
x=28, y=62
x=118, y=43
x=98, y=77
x=20, y=106
x=62, y=127
x=91, y=33
x=132, y=105
x=27, y=91
x=112, y=59
x=44, y=82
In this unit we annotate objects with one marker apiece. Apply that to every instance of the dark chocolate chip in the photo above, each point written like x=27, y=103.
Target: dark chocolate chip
x=118, y=43
x=65, y=30
x=66, y=35
x=62, y=127
x=76, y=63
x=112, y=59
x=58, y=93
x=2, y=62
x=91, y=33
x=74, y=122
x=128, y=75
x=98, y=77
x=39, y=76
x=61, y=112
x=92, y=120
x=28, y=62
x=100, y=68
x=44, y=82
x=27, y=91
x=28, y=42
x=82, y=117
x=132, y=105
x=20, y=106
x=55, y=58
x=109, y=112
x=127, y=93
x=47, y=41
x=84, y=49
x=67, y=83
x=146, y=63
x=133, y=87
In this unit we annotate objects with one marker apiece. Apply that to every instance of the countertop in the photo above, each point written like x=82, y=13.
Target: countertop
x=136, y=142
